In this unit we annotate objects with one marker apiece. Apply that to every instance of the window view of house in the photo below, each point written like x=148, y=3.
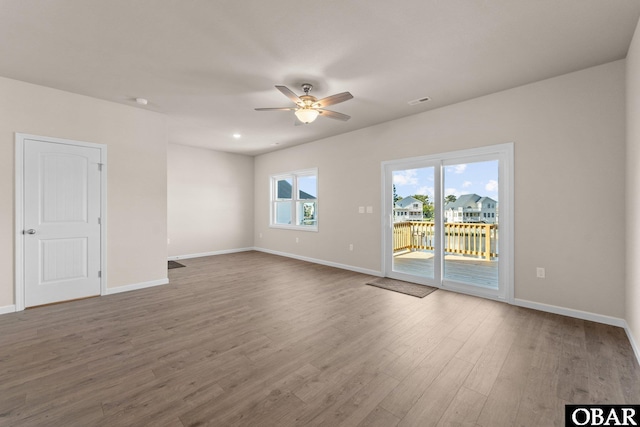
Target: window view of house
x=408, y=208
x=294, y=201
x=471, y=208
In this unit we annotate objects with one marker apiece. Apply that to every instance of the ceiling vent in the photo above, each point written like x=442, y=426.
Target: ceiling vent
x=419, y=100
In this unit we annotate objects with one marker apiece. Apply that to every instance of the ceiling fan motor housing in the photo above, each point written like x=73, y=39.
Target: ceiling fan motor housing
x=308, y=100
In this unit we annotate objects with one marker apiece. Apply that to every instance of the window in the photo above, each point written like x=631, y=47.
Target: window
x=294, y=200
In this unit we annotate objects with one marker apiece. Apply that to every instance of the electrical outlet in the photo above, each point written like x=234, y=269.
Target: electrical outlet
x=168, y=241
x=297, y=240
x=350, y=246
x=360, y=209
x=540, y=273
x=261, y=235
x=369, y=209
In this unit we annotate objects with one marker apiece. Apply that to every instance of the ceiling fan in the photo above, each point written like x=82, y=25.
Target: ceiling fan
x=308, y=107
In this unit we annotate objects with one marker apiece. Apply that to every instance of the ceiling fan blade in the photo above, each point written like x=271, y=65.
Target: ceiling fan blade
x=333, y=99
x=277, y=109
x=334, y=115
x=289, y=94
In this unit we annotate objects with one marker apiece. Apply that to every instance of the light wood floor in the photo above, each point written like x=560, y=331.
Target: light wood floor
x=257, y=340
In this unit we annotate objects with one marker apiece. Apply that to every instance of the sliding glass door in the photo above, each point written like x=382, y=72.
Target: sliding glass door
x=471, y=222
x=443, y=219
x=413, y=228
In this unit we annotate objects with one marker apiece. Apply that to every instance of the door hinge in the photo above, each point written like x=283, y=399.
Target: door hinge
x=99, y=273
x=100, y=166
x=99, y=221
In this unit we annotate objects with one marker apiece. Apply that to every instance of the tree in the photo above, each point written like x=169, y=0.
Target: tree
x=450, y=198
x=396, y=198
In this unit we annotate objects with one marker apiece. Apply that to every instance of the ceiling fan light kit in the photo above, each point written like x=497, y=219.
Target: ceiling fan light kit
x=308, y=107
x=306, y=115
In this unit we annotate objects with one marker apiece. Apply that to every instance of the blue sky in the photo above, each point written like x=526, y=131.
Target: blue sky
x=480, y=178
x=308, y=184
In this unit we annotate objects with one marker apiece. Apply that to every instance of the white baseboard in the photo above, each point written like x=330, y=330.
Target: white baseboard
x=136, y=286
x=110, y=291
x=634, y=344
x=322, y=262
x=578, y=314
x=8, y=309
x=203, y=254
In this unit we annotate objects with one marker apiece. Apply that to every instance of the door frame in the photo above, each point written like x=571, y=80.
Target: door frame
x=20, y=139
x=505, y=154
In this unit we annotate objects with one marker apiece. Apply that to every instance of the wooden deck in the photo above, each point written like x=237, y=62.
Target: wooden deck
x=471, y=270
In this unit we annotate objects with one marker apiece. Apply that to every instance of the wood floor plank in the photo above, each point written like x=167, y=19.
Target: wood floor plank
x=464, y=410
x=406, y=394
x=503, y=402
x=488, y=365
x=485, y=371
x=330, y=397
x=573, y=385
x=611, y=361
x=379, y=417
x=474, y=346
x=424, y=344
x=539, y=404
x=289, y=343
x=428, y=410
x=470, y=324
x=356, y=409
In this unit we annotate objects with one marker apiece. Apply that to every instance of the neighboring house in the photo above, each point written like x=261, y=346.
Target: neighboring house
x=284, y=192
x=408, y=209
x=472, y=208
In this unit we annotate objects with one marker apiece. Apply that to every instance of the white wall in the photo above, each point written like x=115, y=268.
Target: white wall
x=210, y=197
x=633, y=189
x=569, y=135
x=137, y=175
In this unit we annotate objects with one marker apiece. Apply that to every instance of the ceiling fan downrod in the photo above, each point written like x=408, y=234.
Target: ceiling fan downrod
x=306, y=87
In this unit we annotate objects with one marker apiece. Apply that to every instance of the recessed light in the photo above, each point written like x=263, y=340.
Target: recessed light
x=419, y=100
x=237, y=136
x=142, y=101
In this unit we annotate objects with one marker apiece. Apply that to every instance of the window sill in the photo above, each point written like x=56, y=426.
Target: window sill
x=295, y=227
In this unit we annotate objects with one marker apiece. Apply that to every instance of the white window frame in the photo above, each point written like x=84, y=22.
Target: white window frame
x=273, y=183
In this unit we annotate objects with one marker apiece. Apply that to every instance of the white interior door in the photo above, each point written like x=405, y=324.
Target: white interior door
x=62, y=206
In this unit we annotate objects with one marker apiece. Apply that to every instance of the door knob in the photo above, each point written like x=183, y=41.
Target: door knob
x=30, y=231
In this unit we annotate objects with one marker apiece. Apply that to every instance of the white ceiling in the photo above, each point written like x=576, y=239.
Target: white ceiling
x=207, y=64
